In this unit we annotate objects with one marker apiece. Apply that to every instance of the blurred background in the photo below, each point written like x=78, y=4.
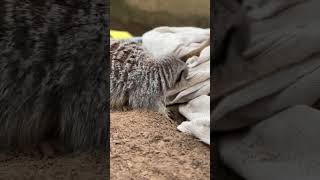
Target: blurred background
x=139, y=16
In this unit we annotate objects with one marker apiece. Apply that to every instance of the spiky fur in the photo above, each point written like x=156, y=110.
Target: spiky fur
x=140, y=81
x=53, y=72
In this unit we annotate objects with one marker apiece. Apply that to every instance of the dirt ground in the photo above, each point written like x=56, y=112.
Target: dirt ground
x=143, y=146
x=148, y=146
x=77, y=166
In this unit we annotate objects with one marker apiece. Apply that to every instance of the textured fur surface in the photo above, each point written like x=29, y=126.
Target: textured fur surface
x=140, y=81
x=53, y=72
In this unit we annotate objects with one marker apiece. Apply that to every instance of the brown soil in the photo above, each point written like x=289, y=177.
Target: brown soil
x=77, y=166
x=145, y=145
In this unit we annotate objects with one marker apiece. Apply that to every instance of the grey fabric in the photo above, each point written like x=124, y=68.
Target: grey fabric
x=297, y=85
x=264, y=114
x=289, y=37
x=282, y=147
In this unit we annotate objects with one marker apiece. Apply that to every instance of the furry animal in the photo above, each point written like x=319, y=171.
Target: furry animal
x=140, y=81
x=53, y=72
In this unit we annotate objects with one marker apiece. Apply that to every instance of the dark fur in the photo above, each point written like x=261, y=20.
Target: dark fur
x=53, y=72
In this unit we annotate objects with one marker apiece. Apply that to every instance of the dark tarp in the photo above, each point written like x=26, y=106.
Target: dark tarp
x=264, y=120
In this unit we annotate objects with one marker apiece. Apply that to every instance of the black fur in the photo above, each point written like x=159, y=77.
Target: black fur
x=53, y=72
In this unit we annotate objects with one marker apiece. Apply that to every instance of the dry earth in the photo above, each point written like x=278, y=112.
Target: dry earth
x=75, y=166
x=145, y=145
